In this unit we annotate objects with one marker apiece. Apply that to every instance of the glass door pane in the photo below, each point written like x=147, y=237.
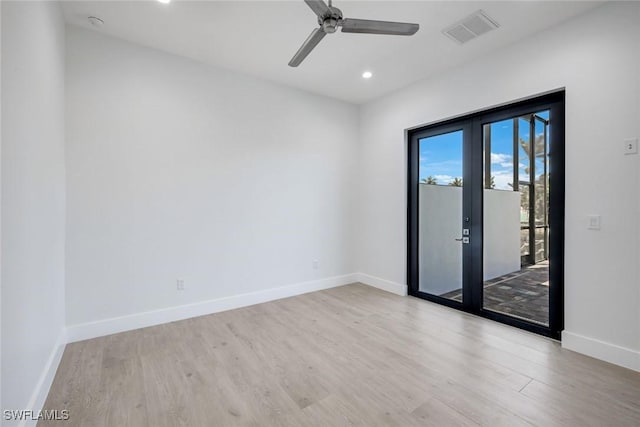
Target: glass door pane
x=541, y=183
x=440, y=215
x=515, y=200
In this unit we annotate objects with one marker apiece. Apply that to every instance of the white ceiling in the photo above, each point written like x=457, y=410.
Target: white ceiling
x=260, y=37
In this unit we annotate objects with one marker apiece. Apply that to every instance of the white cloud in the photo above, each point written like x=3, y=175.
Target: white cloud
x=502, y=179
x=501, y=159
x=444, y=179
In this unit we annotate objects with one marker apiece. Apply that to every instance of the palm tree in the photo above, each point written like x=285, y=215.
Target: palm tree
x=538, y=149
x=429, y=180
x=457, y=182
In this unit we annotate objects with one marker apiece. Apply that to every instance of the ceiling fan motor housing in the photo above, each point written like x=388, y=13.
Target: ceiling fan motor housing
x=330, y=21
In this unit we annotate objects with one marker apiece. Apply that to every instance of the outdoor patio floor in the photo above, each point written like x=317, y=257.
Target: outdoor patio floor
x=523, y=294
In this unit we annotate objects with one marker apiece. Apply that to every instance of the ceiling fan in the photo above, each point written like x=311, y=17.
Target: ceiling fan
x=330, y=18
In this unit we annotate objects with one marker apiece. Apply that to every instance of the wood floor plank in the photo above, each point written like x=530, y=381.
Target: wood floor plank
x=580, y=408
x=548, y=363
x=346, y=356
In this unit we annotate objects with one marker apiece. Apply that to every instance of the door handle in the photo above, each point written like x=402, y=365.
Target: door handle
x=463, y=240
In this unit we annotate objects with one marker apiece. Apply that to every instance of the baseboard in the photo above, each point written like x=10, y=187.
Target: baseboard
x=156, y=317
x=385, y=285
x=41, y=391
x=608, y=352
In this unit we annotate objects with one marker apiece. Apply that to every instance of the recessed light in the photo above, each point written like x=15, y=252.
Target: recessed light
x=165, y=1
x=367, y=75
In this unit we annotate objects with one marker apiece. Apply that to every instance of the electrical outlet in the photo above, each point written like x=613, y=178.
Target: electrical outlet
x=315, y=264
x=631, y=146
x=180, y=284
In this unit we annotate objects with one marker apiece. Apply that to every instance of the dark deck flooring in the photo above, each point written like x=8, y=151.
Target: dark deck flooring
x=523, y=294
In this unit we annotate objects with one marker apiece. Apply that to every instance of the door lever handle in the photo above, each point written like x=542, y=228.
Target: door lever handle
x=458, y=240
x=463, y=240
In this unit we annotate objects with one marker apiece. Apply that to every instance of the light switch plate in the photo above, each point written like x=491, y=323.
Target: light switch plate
x=631, y=146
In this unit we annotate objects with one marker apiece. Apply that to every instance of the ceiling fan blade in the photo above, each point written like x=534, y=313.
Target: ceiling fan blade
x=378, y=27
x=319, y=7
x=306, y=48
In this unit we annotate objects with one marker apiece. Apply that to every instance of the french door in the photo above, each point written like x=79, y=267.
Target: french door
x=486, y=213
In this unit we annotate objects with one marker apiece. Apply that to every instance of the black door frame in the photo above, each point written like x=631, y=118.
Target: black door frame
x=472, y=283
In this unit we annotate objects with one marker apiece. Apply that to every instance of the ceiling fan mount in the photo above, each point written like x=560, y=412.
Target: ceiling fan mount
x=330, y=18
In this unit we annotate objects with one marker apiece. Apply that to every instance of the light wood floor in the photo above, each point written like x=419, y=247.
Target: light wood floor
x=352, y=355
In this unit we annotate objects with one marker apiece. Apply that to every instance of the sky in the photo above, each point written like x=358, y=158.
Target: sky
x=441, y=155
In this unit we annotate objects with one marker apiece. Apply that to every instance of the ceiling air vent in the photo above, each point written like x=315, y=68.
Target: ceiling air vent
x=470, y=27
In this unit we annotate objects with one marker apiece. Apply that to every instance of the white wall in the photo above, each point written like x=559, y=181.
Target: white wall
x=1, y=207
x=440, y=224
x=501, y=233
x=33, y=200
x=180, y=170
x=596, y=57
